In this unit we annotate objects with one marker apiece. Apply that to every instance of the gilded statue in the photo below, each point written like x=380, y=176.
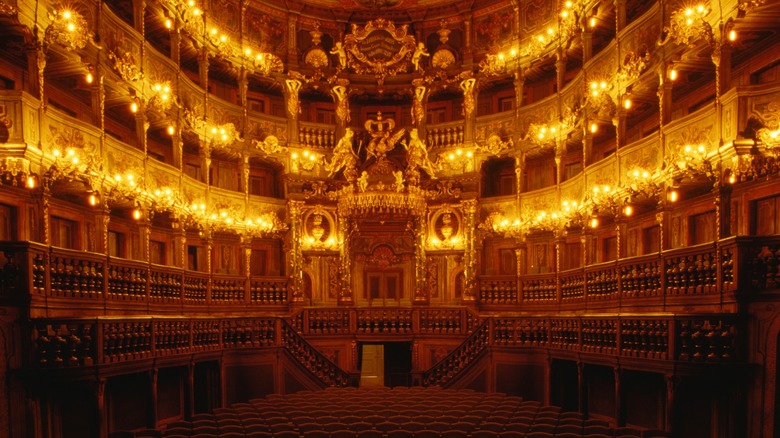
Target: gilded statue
x=467, y=85
x=417, y=154
x=419, y=52
x=293, y=105
x=418, y=110
x=343, y=157
x=383, y=139
x=341, y=53
x=341, y=93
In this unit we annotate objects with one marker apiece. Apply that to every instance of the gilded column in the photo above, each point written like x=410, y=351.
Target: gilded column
x=469, y=207
x=560, y=69
x=102, y=219
x=421, y=295
x=203, y=69
x=296, y=256
x=345, y=261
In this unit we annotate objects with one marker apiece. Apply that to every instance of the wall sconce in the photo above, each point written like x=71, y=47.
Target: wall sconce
x=135, y=105
x=672, y=73
x=594, y=222
x=594, y=127
x=89, y=78
x=94, y=198
x=137, y=213
x=171, y=130
x=305, y=160
x=627, y=103
x=32, y=182
x=628, y=210
x=672, y=194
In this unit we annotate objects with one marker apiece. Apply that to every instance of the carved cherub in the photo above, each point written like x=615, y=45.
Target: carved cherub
x=419, y=52
x=399, y=180
x=339, y=51
x=362, y=182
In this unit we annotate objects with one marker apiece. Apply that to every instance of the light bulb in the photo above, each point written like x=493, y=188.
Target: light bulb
x=89, y=78
x=171, y=130
x=673, y=74
x=31, y=182
x=732, y=35
x=137, y=214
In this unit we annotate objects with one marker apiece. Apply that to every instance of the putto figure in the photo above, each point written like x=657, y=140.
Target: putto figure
x=419, y=52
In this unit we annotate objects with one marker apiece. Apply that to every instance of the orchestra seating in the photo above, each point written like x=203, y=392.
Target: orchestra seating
x=391, y=413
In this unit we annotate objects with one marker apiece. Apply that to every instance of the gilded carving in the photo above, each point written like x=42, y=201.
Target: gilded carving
x=442, y=58
x=494, y=29
x=379, y=48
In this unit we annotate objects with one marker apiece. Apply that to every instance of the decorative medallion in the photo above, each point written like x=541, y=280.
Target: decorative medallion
x=379, y=48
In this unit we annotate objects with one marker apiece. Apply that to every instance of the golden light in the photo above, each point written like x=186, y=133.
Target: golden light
x=673, y=74
x=89, y=78
x=94, y=199
x=594, y=128
x=171, y=130
x=31, y=183
x=628, y=210
x=134, y=107
x=594, y=222
x=66, y=14
x=627, y=103
x=168, y=23
x=592, y=22
x=137, y=213
x=732, y=35
x=674, y=195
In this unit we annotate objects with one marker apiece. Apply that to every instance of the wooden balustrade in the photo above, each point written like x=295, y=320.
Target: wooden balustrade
x=79, y=343
x=704, y=339
x=87, y=281
x=498, y=289
x=385, y=320
x=674, y=277
x=311, y=359
x=459, y=358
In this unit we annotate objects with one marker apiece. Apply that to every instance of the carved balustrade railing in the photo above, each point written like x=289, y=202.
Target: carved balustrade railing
x=67, y=343
x=706, y=339
x=311, y=359
x=385, y=321
x=497, y=289
x=445, y=135
x=317, y=136
x=711, y=273
x=59, y=280
x=63, y=343
x=461, y=357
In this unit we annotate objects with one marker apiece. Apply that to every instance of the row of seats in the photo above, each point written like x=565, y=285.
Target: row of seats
x=392, y=413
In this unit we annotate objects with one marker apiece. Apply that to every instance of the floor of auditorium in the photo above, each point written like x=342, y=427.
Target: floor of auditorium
x=390, y=413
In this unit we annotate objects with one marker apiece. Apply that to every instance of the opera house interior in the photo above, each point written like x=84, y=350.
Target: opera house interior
x=386, y=218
